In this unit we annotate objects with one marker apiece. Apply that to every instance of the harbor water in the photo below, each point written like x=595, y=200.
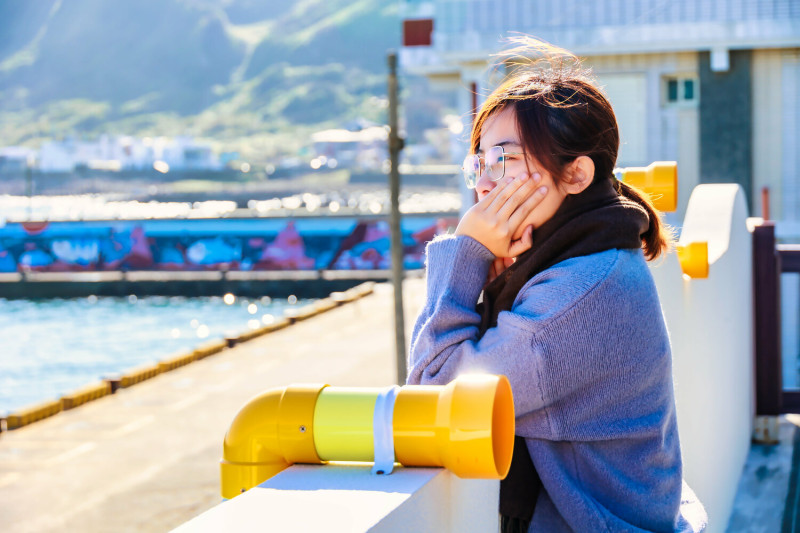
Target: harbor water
x=51, y=347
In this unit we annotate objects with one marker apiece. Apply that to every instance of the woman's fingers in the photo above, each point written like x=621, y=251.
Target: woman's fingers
x=522, y=210
x=525, y=188
x=507, y=192
x=497, y=217
x=498, y=266
x=523, y=244
x=495, y=192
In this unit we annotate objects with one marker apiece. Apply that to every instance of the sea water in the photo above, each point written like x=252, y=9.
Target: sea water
x=49, y=348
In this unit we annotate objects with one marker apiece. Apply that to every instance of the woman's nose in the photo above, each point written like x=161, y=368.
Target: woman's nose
x=484, y=186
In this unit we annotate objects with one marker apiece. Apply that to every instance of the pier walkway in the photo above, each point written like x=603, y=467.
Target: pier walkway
x=146, y=459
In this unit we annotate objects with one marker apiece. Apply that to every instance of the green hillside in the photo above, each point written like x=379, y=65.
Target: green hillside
x=252, y=75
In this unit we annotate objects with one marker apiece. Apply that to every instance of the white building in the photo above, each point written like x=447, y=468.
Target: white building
x=127, y=153
x=185, y=153
x=713, y=84
x=363, y=149
x=57, y=156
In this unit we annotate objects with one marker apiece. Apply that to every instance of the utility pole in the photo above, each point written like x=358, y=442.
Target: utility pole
x=29, y=185
x=395, y=145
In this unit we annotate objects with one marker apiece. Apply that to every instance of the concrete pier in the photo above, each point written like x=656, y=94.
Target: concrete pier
x=277, y=283
x=146, y=459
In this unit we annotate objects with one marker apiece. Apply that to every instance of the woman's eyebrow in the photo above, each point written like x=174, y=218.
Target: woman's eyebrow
x=508, y=143
x=501, y=143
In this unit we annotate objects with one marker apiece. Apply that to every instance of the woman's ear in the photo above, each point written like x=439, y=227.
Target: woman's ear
x=579, y=175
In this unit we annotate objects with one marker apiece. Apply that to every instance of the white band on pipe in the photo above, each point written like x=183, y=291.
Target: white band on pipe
x=383, y=434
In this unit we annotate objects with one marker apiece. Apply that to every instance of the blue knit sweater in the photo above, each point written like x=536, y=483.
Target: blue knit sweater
x=587, y=353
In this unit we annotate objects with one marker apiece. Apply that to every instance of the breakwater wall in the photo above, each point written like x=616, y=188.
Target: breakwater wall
x=280, y=284
x=305, y=256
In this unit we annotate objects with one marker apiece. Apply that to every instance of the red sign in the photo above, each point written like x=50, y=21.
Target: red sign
x=418, y=32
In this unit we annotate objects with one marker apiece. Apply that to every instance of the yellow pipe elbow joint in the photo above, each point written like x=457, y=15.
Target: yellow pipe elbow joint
x=659, y=180
x=274, y=430
x=466, y=426
x=693, y=258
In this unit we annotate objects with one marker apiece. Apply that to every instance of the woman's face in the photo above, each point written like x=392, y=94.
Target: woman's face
x=501, y=130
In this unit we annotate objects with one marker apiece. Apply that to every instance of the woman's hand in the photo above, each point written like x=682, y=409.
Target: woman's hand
x=497, y=217
x=498, y=266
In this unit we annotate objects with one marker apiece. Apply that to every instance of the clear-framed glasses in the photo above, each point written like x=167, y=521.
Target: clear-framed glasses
x=493, y=163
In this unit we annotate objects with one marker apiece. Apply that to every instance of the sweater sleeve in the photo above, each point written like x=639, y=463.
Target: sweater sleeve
x=445, y=340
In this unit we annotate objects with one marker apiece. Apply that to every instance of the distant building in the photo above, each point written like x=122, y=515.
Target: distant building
x=127, y=153
x=56, y=156
x=184, y=153
x=363, y=149
x=713, y=84
x=14, y=160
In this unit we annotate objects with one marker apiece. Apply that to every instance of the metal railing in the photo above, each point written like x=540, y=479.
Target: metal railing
x=770, y=260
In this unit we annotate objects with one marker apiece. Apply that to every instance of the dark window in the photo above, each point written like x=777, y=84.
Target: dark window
x=688, y=89
x=672, y=90
x=680, y=90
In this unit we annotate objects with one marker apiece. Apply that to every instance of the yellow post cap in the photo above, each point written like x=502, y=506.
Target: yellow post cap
x=693, y=258
x=659, y=180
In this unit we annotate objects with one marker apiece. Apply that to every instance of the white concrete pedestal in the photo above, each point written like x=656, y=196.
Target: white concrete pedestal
x=347, y=497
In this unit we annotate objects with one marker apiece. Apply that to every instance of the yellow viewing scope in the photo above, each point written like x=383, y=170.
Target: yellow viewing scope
x=659, y=180
x=466, y=426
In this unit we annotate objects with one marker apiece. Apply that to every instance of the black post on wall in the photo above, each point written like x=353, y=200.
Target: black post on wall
x=766, y=285
x=395, y=145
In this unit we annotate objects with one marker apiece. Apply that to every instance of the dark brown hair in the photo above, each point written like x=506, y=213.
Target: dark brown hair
x=561, y=114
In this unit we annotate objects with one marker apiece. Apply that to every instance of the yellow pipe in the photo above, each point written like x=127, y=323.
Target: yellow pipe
x=343, y=423
x=659, y=180
x=466, y=426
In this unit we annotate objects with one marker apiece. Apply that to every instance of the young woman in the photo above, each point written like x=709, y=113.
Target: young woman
x=545, y=281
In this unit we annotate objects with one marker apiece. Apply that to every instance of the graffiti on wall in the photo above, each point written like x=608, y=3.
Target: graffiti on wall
x=212, y=244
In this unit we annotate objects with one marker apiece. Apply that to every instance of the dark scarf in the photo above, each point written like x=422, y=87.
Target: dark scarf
x=595, y=220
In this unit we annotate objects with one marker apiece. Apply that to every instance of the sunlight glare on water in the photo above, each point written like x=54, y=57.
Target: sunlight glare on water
x=52, y=347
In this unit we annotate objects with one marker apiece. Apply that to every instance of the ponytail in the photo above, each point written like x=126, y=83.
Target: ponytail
x=659, y=237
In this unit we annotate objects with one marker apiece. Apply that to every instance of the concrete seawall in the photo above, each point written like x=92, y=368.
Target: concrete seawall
x=301, y=283
x=146, y=458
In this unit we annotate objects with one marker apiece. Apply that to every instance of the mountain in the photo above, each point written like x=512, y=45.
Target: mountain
x=224, y=69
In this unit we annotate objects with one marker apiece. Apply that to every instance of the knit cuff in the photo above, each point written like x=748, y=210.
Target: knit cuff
x=457, y=265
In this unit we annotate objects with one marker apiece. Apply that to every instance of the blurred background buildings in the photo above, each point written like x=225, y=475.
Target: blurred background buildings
x=713, y=84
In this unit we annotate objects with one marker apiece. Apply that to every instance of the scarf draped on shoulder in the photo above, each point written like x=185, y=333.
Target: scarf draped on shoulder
x=595, y=220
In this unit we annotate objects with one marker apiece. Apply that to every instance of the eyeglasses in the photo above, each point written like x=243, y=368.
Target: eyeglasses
x=494, y=163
